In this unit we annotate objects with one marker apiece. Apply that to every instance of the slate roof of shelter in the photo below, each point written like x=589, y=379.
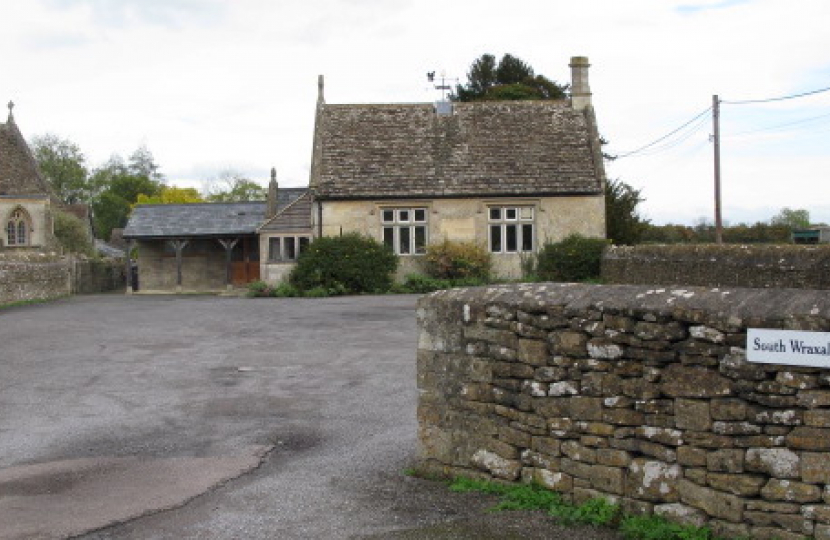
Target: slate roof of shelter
x=483, y=149
x=19, y=173
x=203, y=219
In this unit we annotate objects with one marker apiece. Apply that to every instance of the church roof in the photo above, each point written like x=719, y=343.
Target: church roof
x=504, y=148
x=19, y=173
x=203, y=219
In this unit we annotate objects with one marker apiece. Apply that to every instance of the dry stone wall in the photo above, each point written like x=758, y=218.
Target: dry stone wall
x=638, y=394
x=41, y=276
x=760, y=266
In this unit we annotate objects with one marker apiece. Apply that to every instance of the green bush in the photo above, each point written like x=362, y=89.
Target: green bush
x=260, y=289
x=576, y=258
x=347, y=264
x=455, y=260
x=72, y=233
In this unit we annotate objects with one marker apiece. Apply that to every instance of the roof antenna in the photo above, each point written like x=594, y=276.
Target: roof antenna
x=444, y=86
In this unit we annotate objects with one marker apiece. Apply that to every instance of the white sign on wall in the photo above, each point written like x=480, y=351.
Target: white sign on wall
x=789, y=347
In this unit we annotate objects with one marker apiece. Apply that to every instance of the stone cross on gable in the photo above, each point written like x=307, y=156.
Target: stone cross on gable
x=11, y=106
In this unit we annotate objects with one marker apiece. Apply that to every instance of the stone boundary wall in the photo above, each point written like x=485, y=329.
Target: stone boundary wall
x=638, y=394
x=709, y=265
x=90, y=276
x=42, y=276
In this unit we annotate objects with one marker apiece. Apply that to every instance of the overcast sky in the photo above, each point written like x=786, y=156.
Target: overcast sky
x=208, y=85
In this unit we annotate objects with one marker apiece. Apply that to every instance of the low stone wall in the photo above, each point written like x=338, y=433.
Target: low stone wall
x=90, y=276
x=761, y=266
x=641, y=395
x=42, y=276
x=32, y=276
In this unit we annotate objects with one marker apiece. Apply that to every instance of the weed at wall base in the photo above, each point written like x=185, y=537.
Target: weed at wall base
x=596, y=512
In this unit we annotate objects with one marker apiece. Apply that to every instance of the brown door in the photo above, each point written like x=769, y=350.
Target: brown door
x=245, y=262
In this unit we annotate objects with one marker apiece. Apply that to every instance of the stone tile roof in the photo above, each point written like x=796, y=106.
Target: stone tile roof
x=293, y=218
x=202, y=219
x=482, y=149
x=19, y=173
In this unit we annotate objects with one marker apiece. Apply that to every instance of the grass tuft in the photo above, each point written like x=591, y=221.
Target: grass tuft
x=596, y=512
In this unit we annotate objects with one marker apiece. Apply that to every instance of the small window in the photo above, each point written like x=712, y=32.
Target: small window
x=420, y=240
x=287, y=248
x=290, y=248
x=527, y=237
x=18, y=229
x=495, y=239
x=404, y=245
x=512, y=238
x=511, y=229
x=405, y=230
x=274, y=249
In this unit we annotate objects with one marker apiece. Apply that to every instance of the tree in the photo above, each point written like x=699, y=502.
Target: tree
x=64, y=166
x=511, y=79
x=623, y=222
x=142, y=163
x=118, y=185
x=171, y=195
x=231, y=186
x=794, y=219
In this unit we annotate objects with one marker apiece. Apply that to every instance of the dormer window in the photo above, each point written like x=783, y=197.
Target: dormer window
x=18, y=229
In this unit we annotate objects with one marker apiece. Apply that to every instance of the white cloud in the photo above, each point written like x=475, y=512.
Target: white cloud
x=211, y=84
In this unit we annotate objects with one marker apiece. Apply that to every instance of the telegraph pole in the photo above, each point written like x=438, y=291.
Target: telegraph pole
x=716, y=140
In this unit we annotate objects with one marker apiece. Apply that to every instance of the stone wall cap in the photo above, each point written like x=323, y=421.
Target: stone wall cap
x=677, y=301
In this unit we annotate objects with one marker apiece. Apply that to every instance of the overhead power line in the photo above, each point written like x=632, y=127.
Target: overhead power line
x=779, y=127
x=781, y=98
x=664, y=137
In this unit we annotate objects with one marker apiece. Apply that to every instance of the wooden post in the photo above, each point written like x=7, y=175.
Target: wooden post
x=179, y=245
x=129, y=266
x=228, y=245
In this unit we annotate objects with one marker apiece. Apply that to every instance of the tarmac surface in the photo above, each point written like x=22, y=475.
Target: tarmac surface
x=221, y=418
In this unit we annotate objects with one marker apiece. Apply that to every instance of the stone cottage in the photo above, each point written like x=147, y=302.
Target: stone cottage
x=508, y=175
x=26, y=199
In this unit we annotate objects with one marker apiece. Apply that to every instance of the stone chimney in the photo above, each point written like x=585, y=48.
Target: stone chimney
x=580, y=89
x=320, y=84
x=273, y=187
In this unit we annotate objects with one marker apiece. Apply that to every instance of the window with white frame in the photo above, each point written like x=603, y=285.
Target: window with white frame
x=286, y=248
x=405, y=230
x=511, y=229
x=18, y=229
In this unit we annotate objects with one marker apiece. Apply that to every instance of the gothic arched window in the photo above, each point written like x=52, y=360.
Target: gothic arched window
x=18, y=229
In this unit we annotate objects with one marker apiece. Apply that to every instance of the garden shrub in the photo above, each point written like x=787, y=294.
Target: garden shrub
x=72, y=234
x=455, y=260
x=346, y=264
x=576, y=258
